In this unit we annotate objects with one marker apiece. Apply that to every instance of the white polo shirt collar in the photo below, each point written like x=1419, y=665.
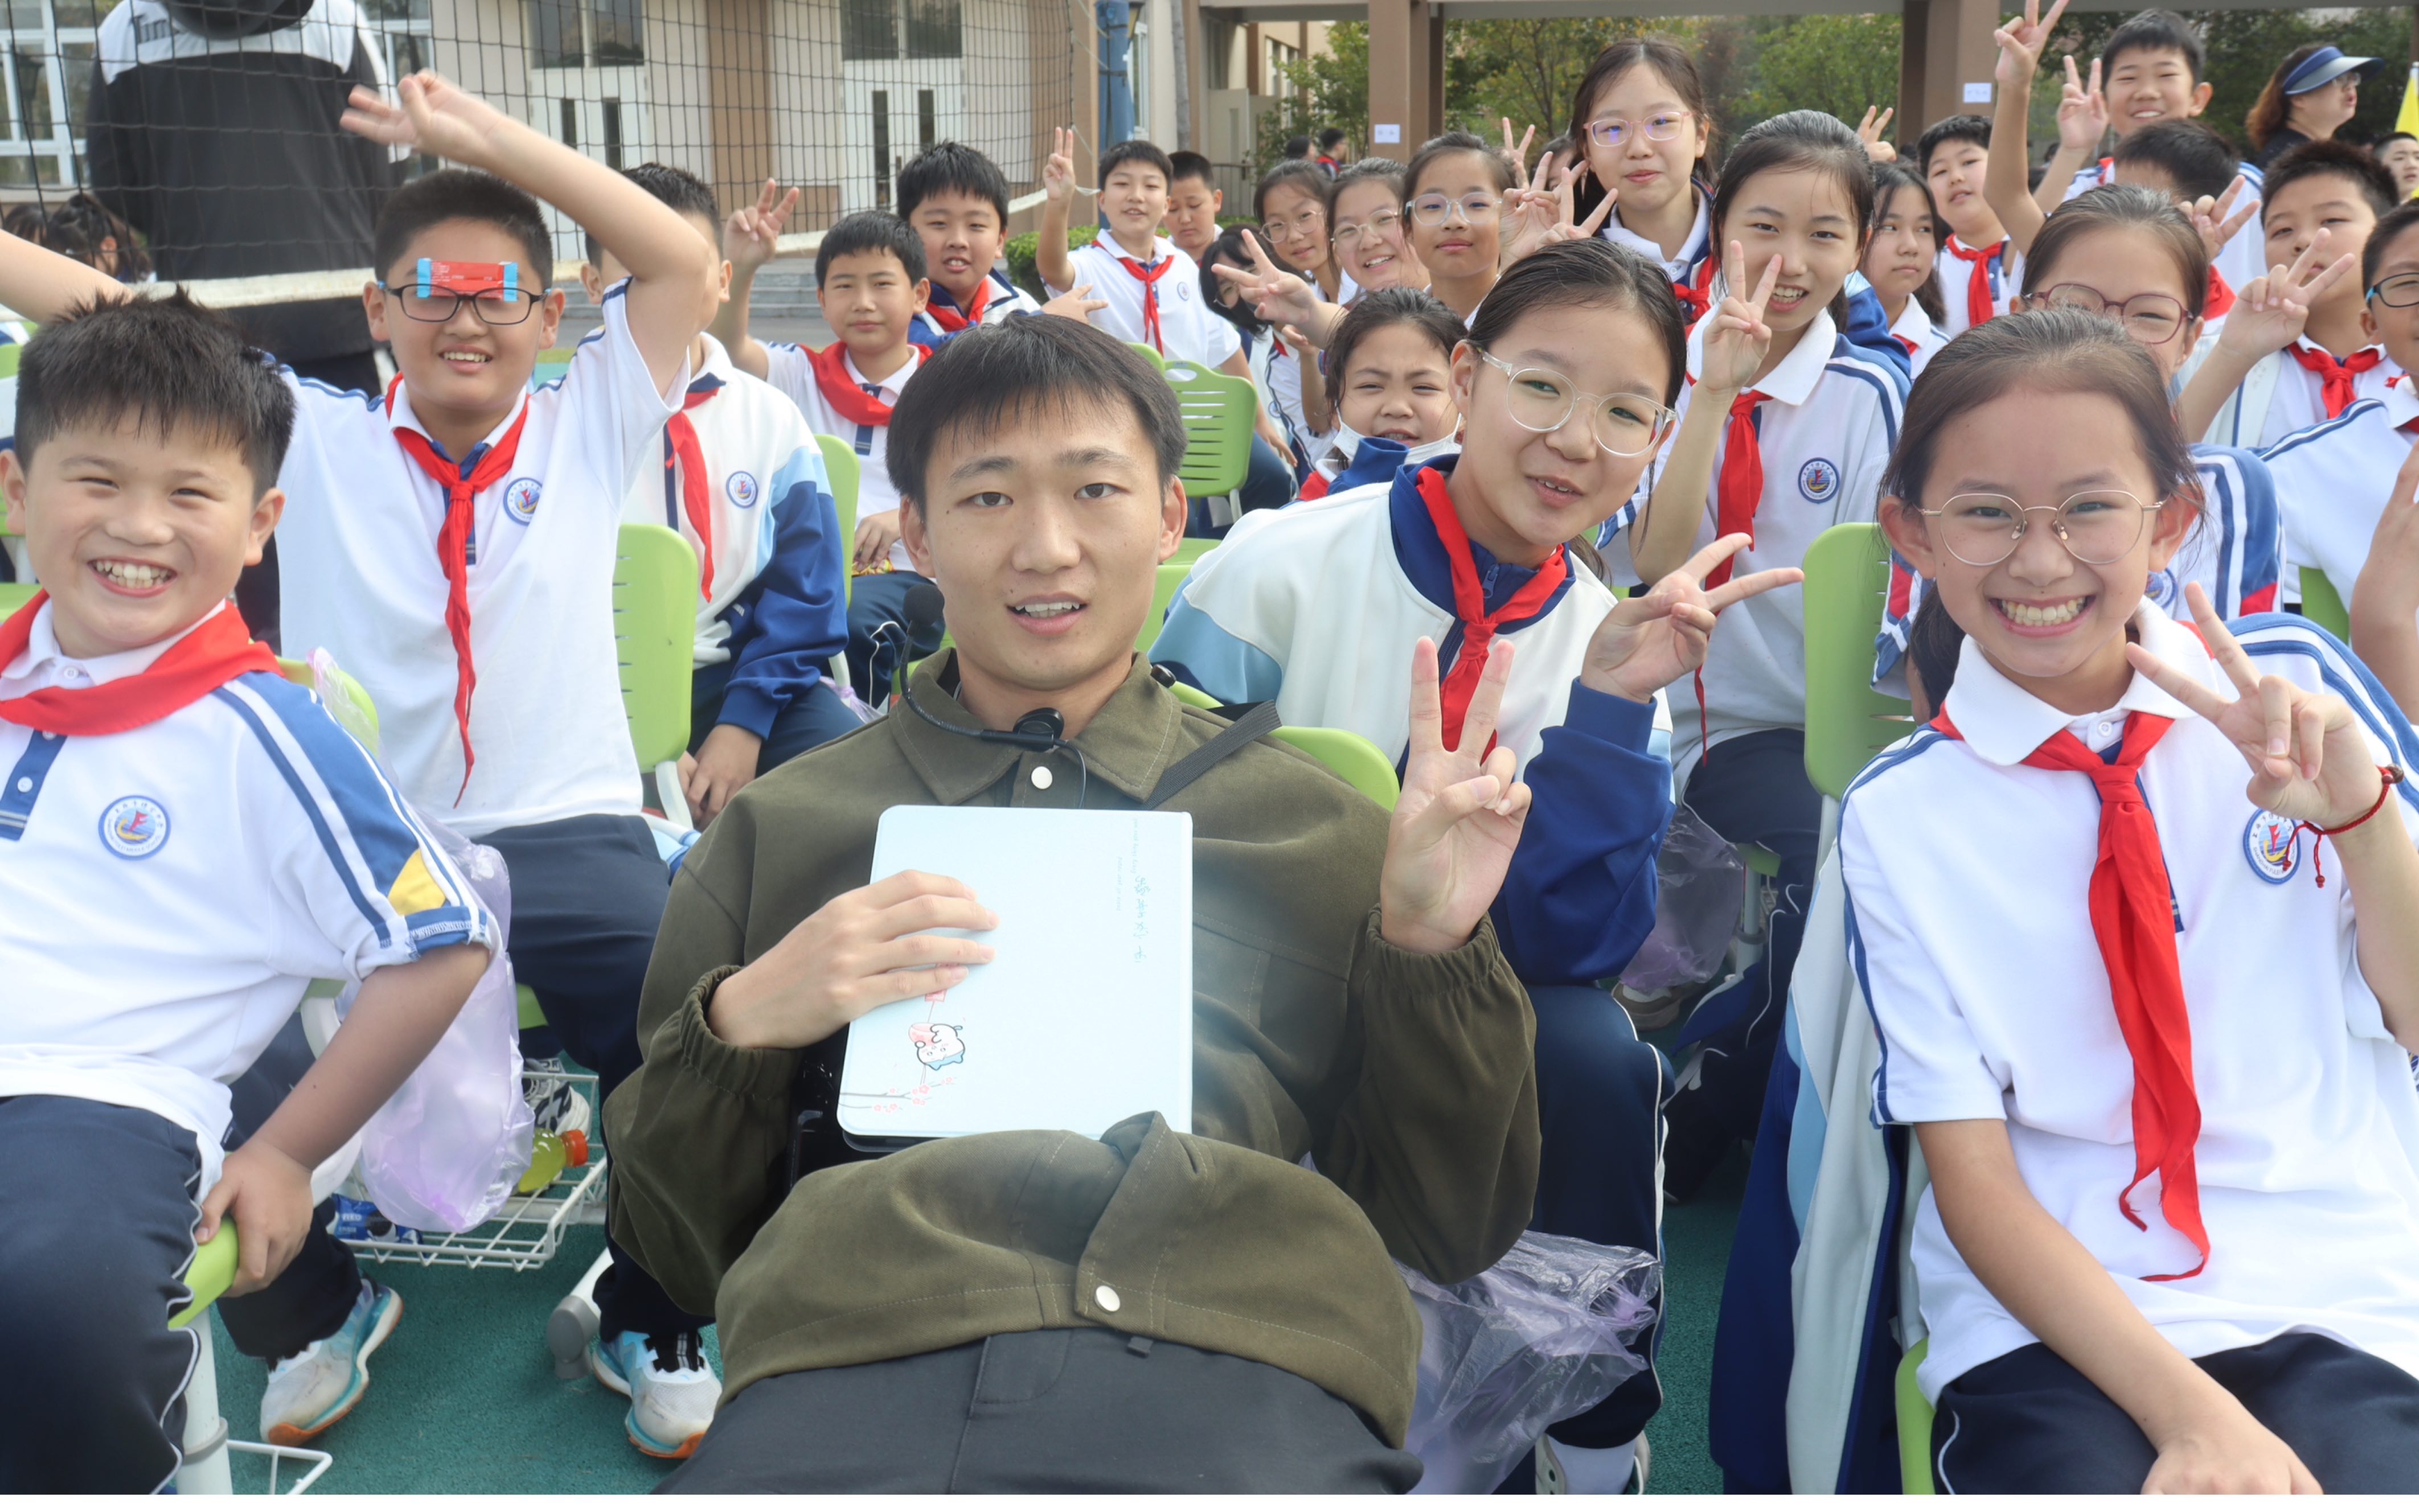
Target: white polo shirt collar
x=2004, y=724
x=1793, y=382
x=2401, y=405
x=1693, y=250
x=891, y=387
x=43, y=664
x=404, y=418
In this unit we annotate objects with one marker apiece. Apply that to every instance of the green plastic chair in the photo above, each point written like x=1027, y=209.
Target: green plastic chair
x=1220, y=412
x=1350, y=757
x=1171, y=577
x=1192, y=548
x=1847, y=722
x=552, y=363
x=1914, y=1426
x=13, y=596
x=205, y=1470
x=9, y=357
x=1150, y=355
x=2323, y=605
x=841, y=461
x=654, y=635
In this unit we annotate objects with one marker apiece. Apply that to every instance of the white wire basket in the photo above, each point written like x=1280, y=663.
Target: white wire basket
x=528, y=1230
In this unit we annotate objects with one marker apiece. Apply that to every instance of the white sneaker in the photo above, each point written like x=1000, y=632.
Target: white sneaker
x=309, y=1392
x=670, y=1390
x=1562, y=1470
x=552, y=1099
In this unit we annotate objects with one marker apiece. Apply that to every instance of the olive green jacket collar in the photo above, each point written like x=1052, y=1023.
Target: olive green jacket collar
x=1128, y=745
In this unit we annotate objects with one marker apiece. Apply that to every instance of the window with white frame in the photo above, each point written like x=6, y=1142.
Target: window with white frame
x=50, y=47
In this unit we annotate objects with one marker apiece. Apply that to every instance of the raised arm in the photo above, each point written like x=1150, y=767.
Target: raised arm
x=2269, y=316
x=2004, y=182
x=1057, y=203
x=42, y=285
x=2082, y=121
x=749, y=240
x=672, y=274
x=1665, y=532
x=2386, y=600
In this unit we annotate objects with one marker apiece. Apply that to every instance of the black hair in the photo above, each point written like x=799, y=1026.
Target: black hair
x=1802, y=141
x=2154, y=31
x=1888, y=179
x=1974, y=129
x=27, y=221
x=1381, y=169
x=2113, y=205
x=2315, y=160
x=1017, y=373
x=82, y=229
x=2380, y=239
x=1933, y=643
x=2200, y=161
x=871, y=231
x=686, y=193
x=1297, y=146
x=169, y=363
x=1330, y=139
x=1228, y=247
x=2388, y=139
x=1183, y=163
x=1667, y=59
x=1308, y=178
x=1139, y=151
x=463, y=194
x=1379, y=309
x=1591, y=274
x=950, y=168
x=1451, y=144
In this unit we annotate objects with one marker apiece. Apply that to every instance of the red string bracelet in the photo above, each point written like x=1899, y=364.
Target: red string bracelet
x=2317, y=867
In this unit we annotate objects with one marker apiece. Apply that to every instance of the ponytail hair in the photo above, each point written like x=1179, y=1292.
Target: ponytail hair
x=2267, y=115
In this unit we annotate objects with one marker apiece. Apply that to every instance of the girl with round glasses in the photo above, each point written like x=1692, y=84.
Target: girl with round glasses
x=2136, y=917
x=1639, y=119
x=1290, y=205
x=1563, y=387
x=1453, y=202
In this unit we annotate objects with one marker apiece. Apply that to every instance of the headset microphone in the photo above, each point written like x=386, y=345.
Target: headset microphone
x=1038, y=729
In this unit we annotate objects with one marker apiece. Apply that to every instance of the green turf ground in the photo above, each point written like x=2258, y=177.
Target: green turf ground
x=462, y=1398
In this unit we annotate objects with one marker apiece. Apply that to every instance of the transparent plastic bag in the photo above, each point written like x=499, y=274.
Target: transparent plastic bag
x=444, y=1152
x=1542, y=1335
x=1700, y=883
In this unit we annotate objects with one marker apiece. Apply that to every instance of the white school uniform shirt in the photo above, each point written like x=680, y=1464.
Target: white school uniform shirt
x=2279, y=396
x=2333, y=479
x=2243, y=257
x=765, y=461
x=1186, y=326
x=1968, y=878
x=1915, y=331
x=169, y=893
x=1680, y=270
x=1956, y=277
x=1276, y=373
x=359, y=575
x=790, y=368
x=1826, y=430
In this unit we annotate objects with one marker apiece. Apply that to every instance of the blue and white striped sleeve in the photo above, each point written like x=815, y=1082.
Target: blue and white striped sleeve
x=360, y=880
x=798, y=606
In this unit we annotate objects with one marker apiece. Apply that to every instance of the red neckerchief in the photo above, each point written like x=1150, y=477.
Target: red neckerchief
x=1979, y=304
x=1696, y=295
x=2336, y=378
x=844, y=394
x=2133, y=918
x=1907, y=342
x=1150, y=277
x=1735, y=500
x=681, y=448
x=951, y=320
x=1318, y=483
x=462, y=487
x=1470, y=602
x=213, y=654
x=2221, y=296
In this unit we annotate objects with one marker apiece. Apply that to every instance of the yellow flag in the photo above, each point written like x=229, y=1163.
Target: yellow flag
x=2408, y=119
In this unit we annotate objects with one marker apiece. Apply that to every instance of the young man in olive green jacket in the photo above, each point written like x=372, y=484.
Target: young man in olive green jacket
x=1156, y=1308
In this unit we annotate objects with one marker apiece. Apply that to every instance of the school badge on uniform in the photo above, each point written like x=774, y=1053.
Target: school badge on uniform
x=2267, y=845
x=1819, y=481
x=742, y=487
x=134, y=826
x=520, y=499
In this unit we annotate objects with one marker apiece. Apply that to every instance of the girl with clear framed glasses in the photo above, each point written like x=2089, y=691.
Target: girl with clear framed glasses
x=1640, y=121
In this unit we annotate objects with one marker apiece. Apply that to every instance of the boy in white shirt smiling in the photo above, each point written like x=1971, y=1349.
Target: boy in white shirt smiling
x=190, y=840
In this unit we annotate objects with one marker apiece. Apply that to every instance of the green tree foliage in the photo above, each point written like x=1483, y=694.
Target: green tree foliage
x=1333, y=89
x=1839, y=64
x=1523, y=70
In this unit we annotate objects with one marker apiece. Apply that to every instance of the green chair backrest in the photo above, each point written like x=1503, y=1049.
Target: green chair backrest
x=1914, y=1426
x=357, y=713
x=1220, y=413
x=1847, y=722
x=15, y=596
x=1150, y=355
x=1186, y=693
x=9, y=356
x=1350, y=757
x=1171, y=577
x=211, y=1271
x=654, y=636
x=846, y=471
x=552, y=363
x=1192, y=548
x=2322, y=604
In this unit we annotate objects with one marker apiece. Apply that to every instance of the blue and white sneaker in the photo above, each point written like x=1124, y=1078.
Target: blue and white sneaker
x=671, y=1389
x=308, y=1392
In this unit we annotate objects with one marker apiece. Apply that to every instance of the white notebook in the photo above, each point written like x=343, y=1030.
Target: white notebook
x=1083, y=1019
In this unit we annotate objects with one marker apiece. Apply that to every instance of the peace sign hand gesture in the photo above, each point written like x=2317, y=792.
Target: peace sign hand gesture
x=2269, y=312
x=1737, y=340
x=2309, y=757
x=1458, y=819
x=2021, y=42
x=1869, y=132
x=1537, y=217
x=1058, y=171
x=430, y=114
x=1276, y=296
x=1519, y=154
x=2210, y=216
x=2081, y=111
x=752, y=234
x=1657, y=637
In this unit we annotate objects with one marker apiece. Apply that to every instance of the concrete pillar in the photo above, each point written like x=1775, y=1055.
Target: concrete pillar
x=1945, y=51
x=739, y=52
x=1405, y=76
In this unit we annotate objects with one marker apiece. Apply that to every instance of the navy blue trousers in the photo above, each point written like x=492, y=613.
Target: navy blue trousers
x=312, y=1296
x=817, y=715
x=872, y=602
x=588, y=894
x=2028, y=1423
x=1599, y=1107
x=96, y=1210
